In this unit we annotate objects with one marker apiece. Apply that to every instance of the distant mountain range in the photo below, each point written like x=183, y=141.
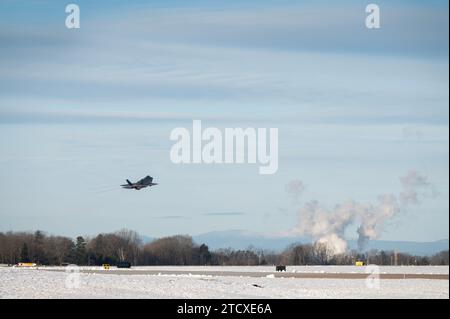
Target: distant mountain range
x=239, y=239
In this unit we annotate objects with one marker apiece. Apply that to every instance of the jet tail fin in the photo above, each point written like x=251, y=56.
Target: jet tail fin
x=129, y=183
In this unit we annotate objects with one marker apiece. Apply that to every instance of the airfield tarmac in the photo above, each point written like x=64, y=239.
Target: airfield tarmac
x=284, y=274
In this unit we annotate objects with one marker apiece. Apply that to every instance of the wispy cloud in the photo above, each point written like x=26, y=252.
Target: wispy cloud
x=84, y=116
x=237, y=61
x=224, y=214
x=172, y=217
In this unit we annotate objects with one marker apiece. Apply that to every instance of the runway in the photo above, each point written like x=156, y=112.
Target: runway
x=303, y=275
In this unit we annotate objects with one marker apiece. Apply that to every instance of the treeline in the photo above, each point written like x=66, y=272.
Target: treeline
x=320, y=254
x=127, y=245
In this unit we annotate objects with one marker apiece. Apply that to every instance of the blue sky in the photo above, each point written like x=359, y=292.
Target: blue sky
x=81, y=110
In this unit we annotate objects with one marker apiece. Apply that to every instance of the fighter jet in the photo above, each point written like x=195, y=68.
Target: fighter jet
x=145, y=182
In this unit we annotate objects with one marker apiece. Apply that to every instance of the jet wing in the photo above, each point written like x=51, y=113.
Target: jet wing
x=146, y=181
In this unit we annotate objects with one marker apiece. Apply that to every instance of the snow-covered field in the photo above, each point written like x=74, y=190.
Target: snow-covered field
x=42, y=283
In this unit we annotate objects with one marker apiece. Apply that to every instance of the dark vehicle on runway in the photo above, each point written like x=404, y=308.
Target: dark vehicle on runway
x=280, y=268
x=123, y=264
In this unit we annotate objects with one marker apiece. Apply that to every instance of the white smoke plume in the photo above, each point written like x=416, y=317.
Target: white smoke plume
x=412, y=183
x=329, y=225
x=373, y=218
x=295, y=189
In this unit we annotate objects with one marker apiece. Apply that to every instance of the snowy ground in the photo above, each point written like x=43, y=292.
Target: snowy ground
x=41, y=283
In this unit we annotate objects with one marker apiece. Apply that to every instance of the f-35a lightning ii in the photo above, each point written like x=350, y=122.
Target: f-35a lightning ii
x=145, y=182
